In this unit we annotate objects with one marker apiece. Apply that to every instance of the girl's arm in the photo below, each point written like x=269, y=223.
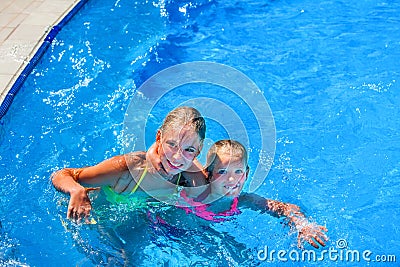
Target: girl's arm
x=307, y=231
x=71, y=180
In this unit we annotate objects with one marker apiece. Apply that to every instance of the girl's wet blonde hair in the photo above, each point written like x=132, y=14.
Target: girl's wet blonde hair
x=185, y=117
x=227, y=147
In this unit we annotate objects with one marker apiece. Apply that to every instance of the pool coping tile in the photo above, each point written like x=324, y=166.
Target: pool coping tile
x=23, y=26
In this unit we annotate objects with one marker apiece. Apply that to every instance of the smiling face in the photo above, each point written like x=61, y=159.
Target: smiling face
x=180, y=139
x=228, y=175
x=227, y=168
x=178, y=149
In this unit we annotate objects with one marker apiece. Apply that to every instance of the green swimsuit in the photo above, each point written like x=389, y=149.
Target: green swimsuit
x=135, y=201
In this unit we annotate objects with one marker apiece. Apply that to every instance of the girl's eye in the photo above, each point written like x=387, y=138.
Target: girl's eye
x=171, y=144
x=239, y=171
x=221, y=171
x=190, y=150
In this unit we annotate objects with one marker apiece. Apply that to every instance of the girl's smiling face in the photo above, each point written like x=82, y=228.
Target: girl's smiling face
x=228, y=175
x=178, y=149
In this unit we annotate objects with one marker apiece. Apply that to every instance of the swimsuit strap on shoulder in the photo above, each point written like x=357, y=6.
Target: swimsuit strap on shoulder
x=179, y=178
x=140, y=180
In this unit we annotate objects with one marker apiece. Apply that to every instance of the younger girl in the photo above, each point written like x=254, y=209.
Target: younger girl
x=227, y=172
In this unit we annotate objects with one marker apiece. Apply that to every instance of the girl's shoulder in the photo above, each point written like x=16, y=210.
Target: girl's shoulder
x=135, y=159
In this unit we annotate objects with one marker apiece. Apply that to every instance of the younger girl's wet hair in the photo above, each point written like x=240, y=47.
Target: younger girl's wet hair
x=185, y=116
x=227, y=147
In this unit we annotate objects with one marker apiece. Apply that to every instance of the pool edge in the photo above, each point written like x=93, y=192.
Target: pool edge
x=8, y=94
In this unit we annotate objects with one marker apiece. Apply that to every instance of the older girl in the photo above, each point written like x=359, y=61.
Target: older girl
x=179, y=141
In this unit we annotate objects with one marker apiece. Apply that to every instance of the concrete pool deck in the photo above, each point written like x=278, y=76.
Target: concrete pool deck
x=23, y=26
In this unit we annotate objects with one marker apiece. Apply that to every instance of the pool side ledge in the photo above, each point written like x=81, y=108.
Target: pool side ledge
x=27, y=28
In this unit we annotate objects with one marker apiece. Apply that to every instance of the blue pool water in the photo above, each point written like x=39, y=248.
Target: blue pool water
x=329, y=70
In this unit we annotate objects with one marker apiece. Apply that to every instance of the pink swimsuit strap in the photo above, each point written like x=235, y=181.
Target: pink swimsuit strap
x=200, y=209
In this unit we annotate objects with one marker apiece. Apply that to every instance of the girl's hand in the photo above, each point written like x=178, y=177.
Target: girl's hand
x=311, y=233
x=79, y=205
x=153, y=157
x=307, y=231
